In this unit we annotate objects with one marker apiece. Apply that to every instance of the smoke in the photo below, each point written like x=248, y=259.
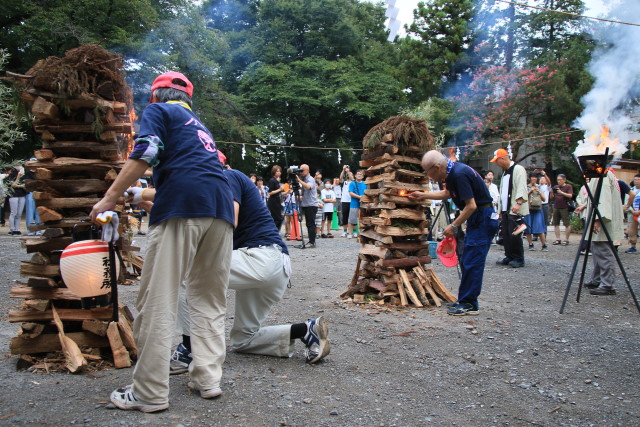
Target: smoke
x=615, y=67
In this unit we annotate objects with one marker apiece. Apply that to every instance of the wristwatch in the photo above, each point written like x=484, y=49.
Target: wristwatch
x=519, y=203
x=455, y=228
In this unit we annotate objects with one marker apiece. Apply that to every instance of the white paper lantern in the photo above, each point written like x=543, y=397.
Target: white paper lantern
x=85, y=268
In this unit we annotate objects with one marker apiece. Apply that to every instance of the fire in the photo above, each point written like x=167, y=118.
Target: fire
x=402, y=193
x=129, y=138
x=605, y=140
x=451, y=155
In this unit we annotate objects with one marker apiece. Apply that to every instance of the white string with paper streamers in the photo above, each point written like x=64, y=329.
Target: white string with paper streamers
x=339, y=157
x=458, y=153
x=509, y=150
x=244, y=152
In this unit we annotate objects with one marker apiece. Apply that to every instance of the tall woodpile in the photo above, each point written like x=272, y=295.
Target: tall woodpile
x=82, y=107
x=393, y=265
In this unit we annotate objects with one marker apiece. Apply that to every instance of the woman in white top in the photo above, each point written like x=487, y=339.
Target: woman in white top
x=544, y=190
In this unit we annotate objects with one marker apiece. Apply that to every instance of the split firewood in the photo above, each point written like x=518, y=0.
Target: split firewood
x=97, y=327
x=31, y=329
x=42, y=282
x=71, y=351
x=121, y=357
x=44, y=109
x=43, y=155
x=410, y=292
x=38, y=305
x=41, y=258
x=47, y=214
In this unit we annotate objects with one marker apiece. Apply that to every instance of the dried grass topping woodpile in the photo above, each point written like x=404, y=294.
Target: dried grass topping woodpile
x=393, y=262
x=81, y=103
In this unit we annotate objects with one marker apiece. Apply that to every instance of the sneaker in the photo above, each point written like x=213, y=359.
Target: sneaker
x=516, y=264
x=355, y=234
x=504, y=261
x=631, y=250
x=311, y=245
x=519, y=229
x=531, y=247
x=124, y=398
x=316, y=340
x=17, y=233
x=463, y=309
x=324, y=236
x=349, y=236
x=180, y=360
x=602, y=291
x=141, y=233
x=545, y=248
x=591, y=285
x=209, y=393
x=344, y=234
x=451, y=304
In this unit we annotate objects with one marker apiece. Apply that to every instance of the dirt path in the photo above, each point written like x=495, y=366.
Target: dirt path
x=519, y=362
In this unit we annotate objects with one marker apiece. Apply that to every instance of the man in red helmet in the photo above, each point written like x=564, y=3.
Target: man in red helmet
x=190, y=237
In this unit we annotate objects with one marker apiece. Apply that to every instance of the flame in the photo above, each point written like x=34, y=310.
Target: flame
x=451, y=155
x=402, y=193
x=604, y=141
x=129, y=138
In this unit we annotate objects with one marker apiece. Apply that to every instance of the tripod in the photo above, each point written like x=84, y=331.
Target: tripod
x=298, y=196
x=594, y=213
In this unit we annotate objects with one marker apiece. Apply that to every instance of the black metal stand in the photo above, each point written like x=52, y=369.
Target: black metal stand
x=114, y=282
x=592, y=216
x=302, y=245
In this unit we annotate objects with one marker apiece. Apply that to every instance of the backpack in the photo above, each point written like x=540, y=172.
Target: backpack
x=535, y=201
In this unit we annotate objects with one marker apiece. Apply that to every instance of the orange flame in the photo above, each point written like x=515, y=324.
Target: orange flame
x=402, y=192
x=451, y=155
x=605, y=141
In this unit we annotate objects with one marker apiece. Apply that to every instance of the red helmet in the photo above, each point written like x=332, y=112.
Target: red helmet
x=169, y=80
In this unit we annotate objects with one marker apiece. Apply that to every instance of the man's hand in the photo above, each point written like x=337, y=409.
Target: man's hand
x=515, y=209
x=448, y=231
x=635, y=213
x=102, y=206
x=417, y=195
x=596, y=226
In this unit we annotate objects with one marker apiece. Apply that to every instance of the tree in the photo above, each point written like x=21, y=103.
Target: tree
x=438, y=38
x=10, y=131
x=322, y=75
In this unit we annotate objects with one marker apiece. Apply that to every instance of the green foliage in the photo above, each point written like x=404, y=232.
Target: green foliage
x=576, y=223
x=10, y=131
x=441, y=34
x=438, y=114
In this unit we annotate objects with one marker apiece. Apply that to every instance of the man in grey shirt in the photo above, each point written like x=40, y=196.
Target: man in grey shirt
x=309, y=202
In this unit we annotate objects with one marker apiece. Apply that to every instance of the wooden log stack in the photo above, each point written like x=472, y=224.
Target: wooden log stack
x=83, y=119
x=393, y=265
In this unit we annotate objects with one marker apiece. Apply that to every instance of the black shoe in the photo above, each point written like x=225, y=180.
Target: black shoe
x=602, y=291
x=504, y=261
x=141, y=233
x=591, y=285
x=17, y=233
x=516, y=264
x=311, y=245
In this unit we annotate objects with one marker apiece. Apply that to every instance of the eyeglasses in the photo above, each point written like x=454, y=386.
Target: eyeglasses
x=429, y=170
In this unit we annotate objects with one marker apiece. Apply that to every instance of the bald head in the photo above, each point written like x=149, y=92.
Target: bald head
x=305, y=170
x=434, y=164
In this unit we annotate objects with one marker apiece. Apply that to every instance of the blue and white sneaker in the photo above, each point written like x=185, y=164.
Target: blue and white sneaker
x=180, y=360
x=463, y=309
x=124, y=398
x=316, y=340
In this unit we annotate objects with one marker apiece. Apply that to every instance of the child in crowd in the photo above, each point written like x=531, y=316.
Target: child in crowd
x=328, y=198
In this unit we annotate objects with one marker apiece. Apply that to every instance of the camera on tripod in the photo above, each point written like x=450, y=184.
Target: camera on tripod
x=293, y=172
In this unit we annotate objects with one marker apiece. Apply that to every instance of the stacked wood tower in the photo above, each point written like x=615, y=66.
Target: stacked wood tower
x=82, y=105
x=393, y=265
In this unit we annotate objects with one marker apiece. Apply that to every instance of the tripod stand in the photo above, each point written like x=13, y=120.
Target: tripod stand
x=298, y=196
x=592, y=216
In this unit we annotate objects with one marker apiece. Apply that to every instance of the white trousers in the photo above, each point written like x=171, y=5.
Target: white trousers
x=16, y=205
x=198, y=249
x=260, y=277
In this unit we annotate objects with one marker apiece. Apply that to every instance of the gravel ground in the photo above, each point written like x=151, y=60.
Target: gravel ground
x=519, y=362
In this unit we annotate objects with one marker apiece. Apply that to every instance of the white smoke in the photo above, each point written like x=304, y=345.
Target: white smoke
x=616, y=68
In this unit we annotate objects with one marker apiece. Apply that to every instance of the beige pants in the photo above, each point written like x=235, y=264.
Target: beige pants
x=198, y=249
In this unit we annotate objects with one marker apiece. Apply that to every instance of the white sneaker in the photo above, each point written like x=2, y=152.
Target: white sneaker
x=124, y=398
x=344, y=234
x=209, y=393
x=349, y=236
x=355, y=234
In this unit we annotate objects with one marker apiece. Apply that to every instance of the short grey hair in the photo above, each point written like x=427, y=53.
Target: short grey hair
x=165, y=94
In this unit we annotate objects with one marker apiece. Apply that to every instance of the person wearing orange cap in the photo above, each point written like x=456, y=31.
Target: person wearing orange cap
x=190, y=236
x=468, y=191
x=514, y=205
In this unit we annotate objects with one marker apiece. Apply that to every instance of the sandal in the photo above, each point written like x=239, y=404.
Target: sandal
x=556, y=242
x=565, y=243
